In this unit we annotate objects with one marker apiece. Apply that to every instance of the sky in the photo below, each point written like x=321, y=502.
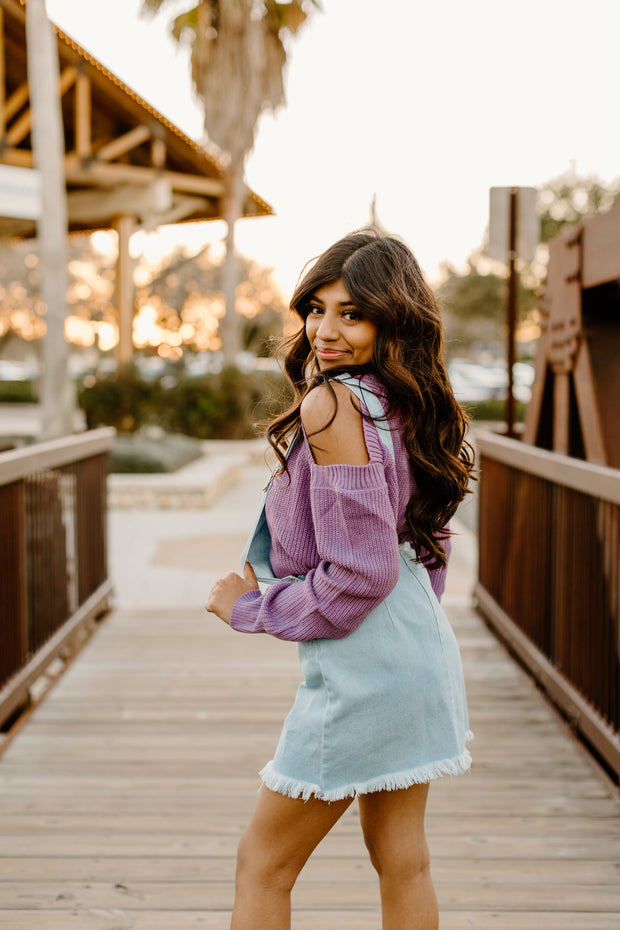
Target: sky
x=422, y=104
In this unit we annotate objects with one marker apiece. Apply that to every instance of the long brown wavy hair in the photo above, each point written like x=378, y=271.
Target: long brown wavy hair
x=385, y=284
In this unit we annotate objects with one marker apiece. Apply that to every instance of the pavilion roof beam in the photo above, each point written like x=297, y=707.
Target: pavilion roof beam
x=123, y=144
x=183, y=207
x=16, y=101
x=16, y=9
x=111, y=174
x=20, y=157
x=90, y=206
x=21, y=127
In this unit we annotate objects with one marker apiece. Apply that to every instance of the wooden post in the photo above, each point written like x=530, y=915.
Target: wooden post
x=56, y=388
x=561, y=412
x=2, y=76
x=82, y=116
x=125, y=226
x=512, y=310
x=158, y=153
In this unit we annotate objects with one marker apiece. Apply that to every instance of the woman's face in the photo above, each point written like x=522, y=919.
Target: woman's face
x=338, y=332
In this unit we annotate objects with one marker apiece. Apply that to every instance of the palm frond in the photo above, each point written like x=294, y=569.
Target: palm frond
x=151, y=8
x=185, y=26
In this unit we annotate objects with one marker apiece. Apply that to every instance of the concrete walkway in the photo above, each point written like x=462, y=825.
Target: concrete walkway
x=122, y=798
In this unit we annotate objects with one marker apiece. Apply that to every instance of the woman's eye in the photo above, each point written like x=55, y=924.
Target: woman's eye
x=314, y=309
x=352, y=315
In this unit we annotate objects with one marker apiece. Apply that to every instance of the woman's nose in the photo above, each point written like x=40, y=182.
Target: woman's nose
x=327, y=328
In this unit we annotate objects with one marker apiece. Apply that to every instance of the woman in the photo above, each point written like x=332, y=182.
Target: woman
x=351, y=540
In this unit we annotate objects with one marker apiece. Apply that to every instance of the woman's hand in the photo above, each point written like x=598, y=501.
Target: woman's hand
x=227, y=589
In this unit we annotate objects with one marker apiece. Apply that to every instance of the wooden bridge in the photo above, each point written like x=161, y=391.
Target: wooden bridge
x=123, y=795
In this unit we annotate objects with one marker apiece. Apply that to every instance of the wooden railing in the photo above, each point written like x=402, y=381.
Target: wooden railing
x=53, y=561
x=549, y=577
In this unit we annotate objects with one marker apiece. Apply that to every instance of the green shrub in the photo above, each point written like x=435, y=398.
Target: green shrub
x=494, y=410
x=227, y=405
x=17, y=392
x=123, y=400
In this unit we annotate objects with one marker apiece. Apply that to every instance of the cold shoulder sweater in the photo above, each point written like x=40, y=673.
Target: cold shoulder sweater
x=339, y=526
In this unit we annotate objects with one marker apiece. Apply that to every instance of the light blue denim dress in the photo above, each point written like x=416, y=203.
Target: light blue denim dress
x=383, y=708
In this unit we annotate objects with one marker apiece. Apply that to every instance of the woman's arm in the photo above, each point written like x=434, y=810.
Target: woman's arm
x=354, y=526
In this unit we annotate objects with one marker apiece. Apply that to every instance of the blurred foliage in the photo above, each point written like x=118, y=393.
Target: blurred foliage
x=475, y=306
x=90, y=289
x=185, y=296
x=493, y=410
x=178, y=299
x=17, y=392
x=122, y=400
x=569, y=199
x=475, y=299
x=228, y=405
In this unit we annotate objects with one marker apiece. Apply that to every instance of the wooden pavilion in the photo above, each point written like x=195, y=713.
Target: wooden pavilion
x=126, y=165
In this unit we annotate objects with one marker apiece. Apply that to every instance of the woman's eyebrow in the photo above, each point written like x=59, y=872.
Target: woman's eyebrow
x=340, y=303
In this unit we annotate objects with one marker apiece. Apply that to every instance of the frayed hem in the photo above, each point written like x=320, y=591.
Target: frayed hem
x=292, y=788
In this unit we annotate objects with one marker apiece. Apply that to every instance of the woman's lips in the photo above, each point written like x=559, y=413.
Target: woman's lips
x=330, y=353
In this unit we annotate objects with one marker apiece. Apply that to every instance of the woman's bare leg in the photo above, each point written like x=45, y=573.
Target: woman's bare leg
x=276, y=845
x=393, y=825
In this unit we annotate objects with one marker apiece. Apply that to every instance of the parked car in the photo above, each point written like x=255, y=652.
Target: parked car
x=473, y=382
x=13, y=370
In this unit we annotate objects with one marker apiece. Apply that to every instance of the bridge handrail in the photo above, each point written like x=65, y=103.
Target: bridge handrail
x=597, y=480
x=53, y=554
x=549, y=577
x=17, y=463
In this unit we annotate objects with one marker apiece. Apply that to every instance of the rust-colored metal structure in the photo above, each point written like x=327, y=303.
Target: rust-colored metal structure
x=575, y=406
x=549, y=531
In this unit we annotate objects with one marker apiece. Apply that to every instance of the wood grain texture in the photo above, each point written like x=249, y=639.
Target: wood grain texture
x=123, y=797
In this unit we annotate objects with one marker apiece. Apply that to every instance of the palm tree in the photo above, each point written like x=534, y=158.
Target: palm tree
x=238, y=56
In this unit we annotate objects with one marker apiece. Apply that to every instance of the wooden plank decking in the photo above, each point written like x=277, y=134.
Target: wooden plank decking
x=123, y=796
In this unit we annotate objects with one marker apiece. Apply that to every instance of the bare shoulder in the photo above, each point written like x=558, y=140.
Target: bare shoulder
x=340, y=441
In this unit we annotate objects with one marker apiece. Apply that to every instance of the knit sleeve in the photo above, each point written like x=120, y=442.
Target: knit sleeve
x=355, y=530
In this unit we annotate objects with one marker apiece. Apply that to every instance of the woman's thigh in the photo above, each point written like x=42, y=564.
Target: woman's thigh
x=283, y=831
x=393, y=825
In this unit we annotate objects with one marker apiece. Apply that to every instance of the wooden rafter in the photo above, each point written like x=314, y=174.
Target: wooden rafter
x=83, y=116
x=16, y=101
x=184, y=207
x=15, y=8
x=135, y=200
x=125, y=143
x=21, y=127
x=20, y=157
x=112, y=174
x=114, y=141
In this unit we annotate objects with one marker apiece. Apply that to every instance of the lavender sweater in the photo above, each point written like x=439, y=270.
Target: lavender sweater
x=340, y=526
